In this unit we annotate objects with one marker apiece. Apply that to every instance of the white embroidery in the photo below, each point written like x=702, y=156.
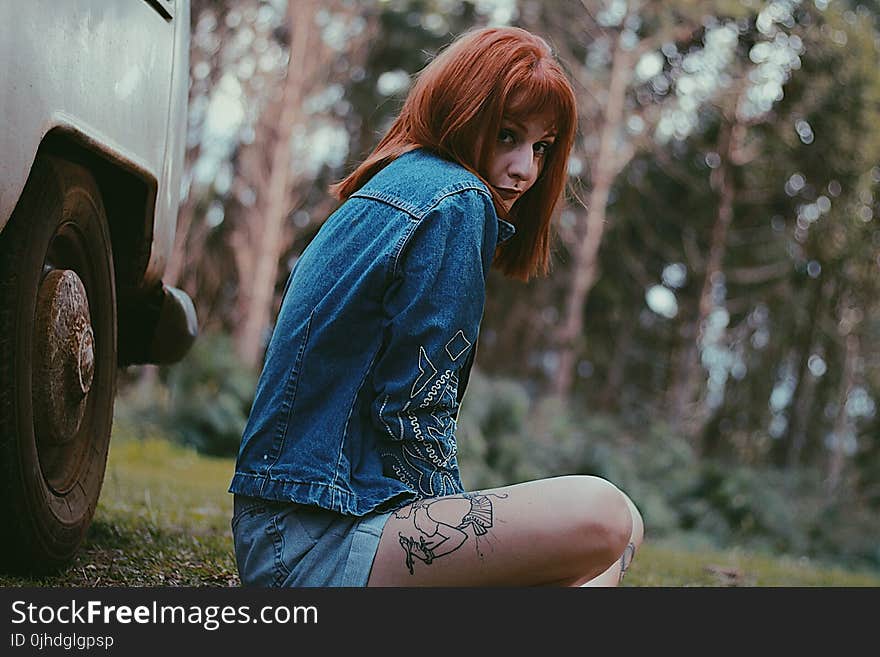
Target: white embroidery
x=429, y=450
x=427, y=372
x=435, y=389
x=417, y=430
x=431, y=484
x=443, y=459
x=399, y=420
x=458, y=345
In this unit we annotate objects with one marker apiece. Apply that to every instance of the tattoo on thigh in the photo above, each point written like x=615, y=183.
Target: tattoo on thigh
x=626, y=559
x=439, y=525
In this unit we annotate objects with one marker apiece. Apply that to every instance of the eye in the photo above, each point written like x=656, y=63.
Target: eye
x=542, y=147
x=506, y=136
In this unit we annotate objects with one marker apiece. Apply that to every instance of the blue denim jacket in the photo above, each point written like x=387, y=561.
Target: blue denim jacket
x=356, y=406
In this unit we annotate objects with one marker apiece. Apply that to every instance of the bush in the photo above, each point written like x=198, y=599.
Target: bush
x=506, y=437
x=202, y=402
x=491, y=432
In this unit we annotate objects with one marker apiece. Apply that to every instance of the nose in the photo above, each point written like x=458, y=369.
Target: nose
x=521, y=165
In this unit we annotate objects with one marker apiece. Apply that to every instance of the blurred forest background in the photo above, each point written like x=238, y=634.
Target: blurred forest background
x=709, y=337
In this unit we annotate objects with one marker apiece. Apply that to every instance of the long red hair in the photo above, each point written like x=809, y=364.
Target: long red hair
x=455, y=109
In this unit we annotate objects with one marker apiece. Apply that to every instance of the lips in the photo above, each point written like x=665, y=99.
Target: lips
x=507, y=194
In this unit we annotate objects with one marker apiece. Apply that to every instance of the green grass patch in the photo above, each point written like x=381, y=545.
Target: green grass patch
x=672, y=565
x=163, y=520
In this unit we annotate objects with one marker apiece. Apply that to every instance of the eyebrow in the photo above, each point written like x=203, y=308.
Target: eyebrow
x=522, y=127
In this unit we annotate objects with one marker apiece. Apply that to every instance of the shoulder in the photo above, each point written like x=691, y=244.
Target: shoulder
x=418, y=181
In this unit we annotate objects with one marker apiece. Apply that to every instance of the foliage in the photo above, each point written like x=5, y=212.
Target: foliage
x=508, y=435
x=202, y=402
x=505, y=436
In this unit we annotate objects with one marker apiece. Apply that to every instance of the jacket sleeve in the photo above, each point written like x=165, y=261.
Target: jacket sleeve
x=434, y=306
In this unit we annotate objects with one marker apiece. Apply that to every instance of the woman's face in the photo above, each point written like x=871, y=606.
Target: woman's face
x=520, y=150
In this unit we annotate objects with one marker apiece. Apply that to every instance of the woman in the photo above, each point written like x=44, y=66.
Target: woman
x=347, y=471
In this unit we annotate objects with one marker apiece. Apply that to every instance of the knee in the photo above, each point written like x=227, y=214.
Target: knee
x=606, y=522
x=638, y=526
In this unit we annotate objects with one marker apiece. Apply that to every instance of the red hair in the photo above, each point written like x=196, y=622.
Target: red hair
x=459, y=99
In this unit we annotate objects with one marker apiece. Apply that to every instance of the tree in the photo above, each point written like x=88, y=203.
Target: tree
x=609, y=48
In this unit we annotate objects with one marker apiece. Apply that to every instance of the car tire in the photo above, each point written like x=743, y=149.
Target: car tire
x=58, y=365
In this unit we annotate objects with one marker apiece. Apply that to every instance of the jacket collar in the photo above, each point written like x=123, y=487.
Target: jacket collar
x=506, y=230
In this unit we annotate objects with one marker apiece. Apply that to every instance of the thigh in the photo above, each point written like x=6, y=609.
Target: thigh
x=550, y=531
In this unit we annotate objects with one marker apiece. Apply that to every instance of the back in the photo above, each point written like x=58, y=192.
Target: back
x=356, y=405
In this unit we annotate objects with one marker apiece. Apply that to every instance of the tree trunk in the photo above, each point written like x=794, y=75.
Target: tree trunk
x=606, y=166
x=841, y=424
x=794, y=438
x=687, y=416
x=257, y=286
x=609, y=400
x=185, y=217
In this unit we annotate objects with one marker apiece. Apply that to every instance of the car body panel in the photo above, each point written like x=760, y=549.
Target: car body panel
x=117, y=79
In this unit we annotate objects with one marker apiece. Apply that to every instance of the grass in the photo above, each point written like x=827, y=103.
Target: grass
x=671, y=565
x=163, y=520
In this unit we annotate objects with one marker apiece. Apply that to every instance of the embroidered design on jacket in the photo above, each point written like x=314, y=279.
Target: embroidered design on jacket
x=438, y=384
x=426, y=373
x=425, y=458
x=458, y=345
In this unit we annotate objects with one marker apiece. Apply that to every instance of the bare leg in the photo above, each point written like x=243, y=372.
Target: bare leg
x=558, y=531
x=614, y=575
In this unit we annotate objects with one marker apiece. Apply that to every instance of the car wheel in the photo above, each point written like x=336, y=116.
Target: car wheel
x=57, y=365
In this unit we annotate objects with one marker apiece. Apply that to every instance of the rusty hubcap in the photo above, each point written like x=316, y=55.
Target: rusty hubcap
x=64, y=356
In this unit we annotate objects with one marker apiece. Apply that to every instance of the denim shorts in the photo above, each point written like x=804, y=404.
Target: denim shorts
x=280, y=544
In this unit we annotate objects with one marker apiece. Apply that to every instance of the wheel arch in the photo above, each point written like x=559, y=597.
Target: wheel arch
x=128, y=192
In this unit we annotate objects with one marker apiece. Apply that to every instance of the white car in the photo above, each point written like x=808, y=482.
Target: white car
x=93, y=99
